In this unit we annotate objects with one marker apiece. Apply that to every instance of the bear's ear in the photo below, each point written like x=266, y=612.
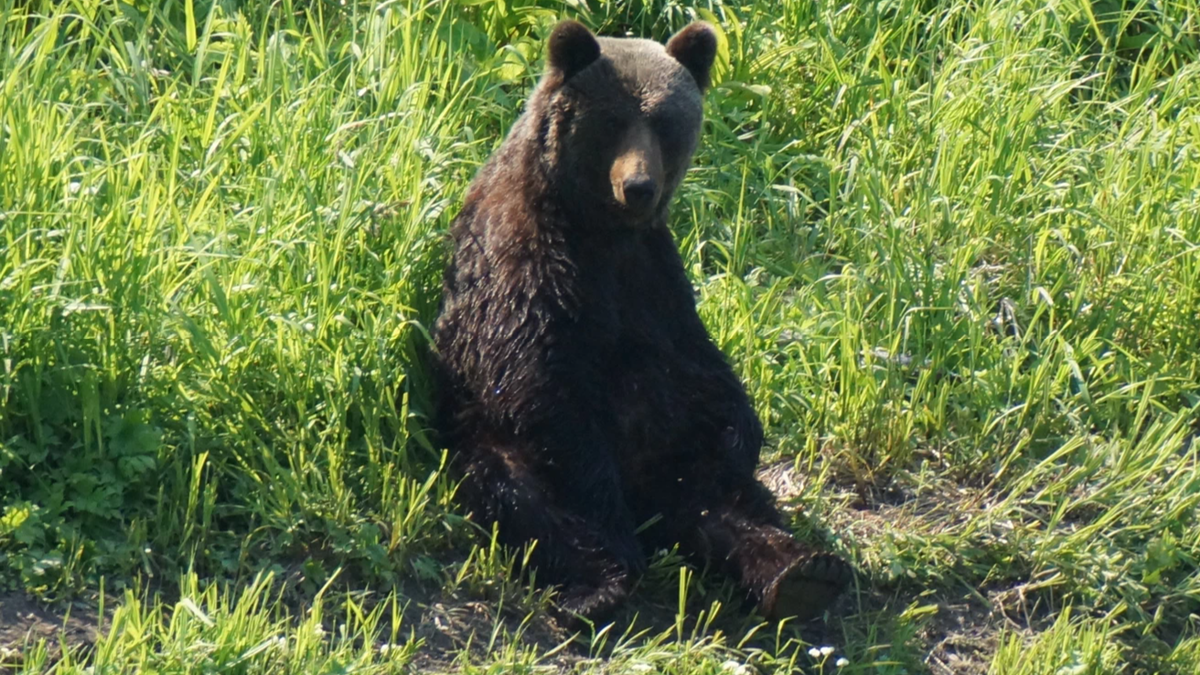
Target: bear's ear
x=695, y=47
x=572, y=48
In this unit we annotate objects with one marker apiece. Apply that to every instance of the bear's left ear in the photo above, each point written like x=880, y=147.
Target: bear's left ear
x=571, y=48
x=695, y=47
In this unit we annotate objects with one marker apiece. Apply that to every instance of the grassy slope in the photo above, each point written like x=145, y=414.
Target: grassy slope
x=954, y=249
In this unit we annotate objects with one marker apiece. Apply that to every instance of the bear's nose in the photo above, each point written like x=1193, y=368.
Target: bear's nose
x=639, y=191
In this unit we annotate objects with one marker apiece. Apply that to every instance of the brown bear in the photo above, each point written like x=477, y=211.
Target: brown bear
x=581, y=395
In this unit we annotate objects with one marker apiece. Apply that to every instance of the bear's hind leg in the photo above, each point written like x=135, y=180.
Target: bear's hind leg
x=784, y=577
x=570, y=552
x=738, y=529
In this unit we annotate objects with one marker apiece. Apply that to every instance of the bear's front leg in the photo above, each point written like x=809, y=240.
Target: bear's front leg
x=580, y=466
x=720, y=413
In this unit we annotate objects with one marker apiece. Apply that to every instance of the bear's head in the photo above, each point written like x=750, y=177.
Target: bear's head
x=620, y=118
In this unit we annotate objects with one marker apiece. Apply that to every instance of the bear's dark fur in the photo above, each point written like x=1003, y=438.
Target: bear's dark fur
x=582, y=396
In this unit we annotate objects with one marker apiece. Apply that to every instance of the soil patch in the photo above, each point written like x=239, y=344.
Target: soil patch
x=24, y=622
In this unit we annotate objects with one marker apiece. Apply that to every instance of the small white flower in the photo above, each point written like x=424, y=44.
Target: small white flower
x=318, y=630
x=826, y=651
x=641, y=667
x=308, y=326
x=814, y=652
x=842, y=662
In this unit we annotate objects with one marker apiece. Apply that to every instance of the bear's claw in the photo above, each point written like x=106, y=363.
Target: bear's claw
x=578, y=604
x=806, y=588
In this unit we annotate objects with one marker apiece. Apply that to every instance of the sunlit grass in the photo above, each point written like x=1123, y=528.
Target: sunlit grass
x=954, y=250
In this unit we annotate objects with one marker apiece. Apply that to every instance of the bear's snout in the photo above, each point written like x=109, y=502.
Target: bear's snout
x=637, y=171
x=640, y=191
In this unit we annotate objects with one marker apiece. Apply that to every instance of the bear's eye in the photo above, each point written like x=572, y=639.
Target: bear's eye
x=664, y=129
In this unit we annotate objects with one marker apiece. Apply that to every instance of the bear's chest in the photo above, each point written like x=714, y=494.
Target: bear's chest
x=627, y=307
x=632, y=319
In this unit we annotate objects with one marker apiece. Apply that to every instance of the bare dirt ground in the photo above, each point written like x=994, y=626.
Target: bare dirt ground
x=24, y=621
x=963, y=632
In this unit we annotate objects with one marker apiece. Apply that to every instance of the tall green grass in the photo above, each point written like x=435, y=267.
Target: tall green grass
x=953, y=248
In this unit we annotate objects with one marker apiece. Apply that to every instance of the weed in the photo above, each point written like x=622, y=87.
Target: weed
x=951, y=247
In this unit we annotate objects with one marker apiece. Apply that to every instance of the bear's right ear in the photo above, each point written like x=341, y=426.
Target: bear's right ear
x=572, y=48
